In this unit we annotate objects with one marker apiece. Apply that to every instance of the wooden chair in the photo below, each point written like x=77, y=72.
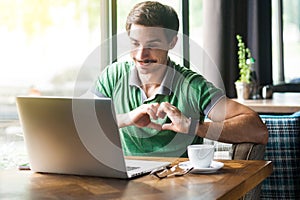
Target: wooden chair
x=249, y=151
x=241, y=151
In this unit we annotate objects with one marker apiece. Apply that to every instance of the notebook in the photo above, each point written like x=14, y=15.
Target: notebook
x=76, y=136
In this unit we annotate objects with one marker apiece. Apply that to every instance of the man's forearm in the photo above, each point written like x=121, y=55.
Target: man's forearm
x=240, y=129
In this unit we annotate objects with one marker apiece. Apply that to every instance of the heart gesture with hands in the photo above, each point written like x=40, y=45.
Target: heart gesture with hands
x=142, y=117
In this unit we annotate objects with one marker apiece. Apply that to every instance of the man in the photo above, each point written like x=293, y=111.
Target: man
x=161, y=106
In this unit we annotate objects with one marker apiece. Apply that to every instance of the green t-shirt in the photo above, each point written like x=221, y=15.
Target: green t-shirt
x=182, y=87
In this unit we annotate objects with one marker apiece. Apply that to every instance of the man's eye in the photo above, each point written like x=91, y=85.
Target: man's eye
x=135, y=44
x=154, y=45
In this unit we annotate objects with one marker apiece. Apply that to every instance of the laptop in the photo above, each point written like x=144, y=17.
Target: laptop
x=76, y=136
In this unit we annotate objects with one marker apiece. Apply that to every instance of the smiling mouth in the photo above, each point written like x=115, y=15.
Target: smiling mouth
x=147, y=61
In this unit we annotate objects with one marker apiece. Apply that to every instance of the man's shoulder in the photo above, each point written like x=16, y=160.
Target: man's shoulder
x=181, y=68
x=187, y=73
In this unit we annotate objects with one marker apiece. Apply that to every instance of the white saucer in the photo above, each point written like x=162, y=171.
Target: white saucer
x=215, y=166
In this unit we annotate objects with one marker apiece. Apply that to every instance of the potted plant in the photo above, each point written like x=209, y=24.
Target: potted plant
x=245, y=62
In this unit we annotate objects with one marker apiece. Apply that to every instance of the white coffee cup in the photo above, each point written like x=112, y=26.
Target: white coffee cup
x=200, y=155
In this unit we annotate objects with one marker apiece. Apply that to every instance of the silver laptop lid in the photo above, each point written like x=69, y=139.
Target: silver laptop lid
x=85, y=126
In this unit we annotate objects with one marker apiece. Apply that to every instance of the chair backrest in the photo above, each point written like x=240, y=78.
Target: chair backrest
x=283, y=149
x=249, y=151
x=241, y=151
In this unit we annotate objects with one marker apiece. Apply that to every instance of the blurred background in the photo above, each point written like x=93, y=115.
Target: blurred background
x=44, y=44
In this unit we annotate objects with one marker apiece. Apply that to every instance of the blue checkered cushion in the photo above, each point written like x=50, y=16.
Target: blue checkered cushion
x=283, y=149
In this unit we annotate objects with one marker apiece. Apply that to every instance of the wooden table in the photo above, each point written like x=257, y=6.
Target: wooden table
x=234, y=180
x=281, y=103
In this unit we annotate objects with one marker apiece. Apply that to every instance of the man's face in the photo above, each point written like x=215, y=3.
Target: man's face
x=149, y=48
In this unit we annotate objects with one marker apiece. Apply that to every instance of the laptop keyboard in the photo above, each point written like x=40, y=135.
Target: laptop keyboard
x=129, y=168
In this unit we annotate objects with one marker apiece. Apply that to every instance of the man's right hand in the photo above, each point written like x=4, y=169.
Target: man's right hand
x=140, y=117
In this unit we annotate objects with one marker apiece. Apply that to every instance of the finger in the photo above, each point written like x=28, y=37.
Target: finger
x=143, y=121
x=161, y=114
x=169, y=126
x=171, y=111
x=151, y=111
x=161, y=111
x=155, y=126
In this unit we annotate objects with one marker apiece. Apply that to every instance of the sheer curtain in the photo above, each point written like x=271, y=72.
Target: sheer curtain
x=223, y=19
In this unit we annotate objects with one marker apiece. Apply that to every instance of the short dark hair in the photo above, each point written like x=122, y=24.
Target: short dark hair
x=154, y=14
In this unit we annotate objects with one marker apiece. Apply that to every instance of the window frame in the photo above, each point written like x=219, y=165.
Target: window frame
x=277, y=38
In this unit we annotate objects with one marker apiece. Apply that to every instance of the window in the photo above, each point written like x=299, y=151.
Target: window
x=44, y=43
x=43, y=46
x=286, y=40
x=196, y=21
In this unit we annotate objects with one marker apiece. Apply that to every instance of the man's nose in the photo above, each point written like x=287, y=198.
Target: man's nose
x=142, y=52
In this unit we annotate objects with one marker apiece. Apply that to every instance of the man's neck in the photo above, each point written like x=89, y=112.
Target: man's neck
x=153, y=78
x=151, y=82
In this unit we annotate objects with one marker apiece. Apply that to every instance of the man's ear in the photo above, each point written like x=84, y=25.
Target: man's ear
x=173, y=42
